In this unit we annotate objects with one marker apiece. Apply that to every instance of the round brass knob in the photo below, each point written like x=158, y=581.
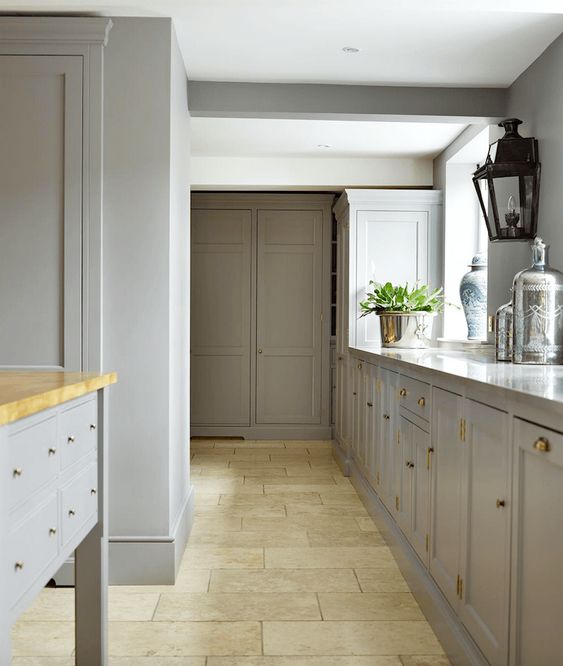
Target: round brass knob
x=403, y=392
x=500, y=503
x=18, y=472
x=421, y=402
x=93, y=491
x=359, y=366
x=18, y=566
x=71, y=512
x=52, y=451
x=354, y=393
x=369, y=404
x=92, y=426
x=71, y=439
x=259, y=351
x=542, y=444
x=386, y=417
x=52, y=531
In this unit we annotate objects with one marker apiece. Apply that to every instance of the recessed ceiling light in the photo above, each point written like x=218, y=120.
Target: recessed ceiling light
x=350, y=49
x=324, y=145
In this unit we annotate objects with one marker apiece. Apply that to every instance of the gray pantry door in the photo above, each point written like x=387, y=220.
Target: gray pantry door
x=289, y=316
x=41, y=211
x=220, y=323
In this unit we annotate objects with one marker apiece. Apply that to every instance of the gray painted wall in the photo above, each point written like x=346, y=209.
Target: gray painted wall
x=536, y=97
x=146, y=187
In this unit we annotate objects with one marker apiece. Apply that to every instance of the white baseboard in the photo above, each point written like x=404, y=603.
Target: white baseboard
x=144, y=560
x=456, y=641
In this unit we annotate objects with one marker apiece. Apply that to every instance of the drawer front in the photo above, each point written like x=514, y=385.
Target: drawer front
x=33, y=459
x=79, y=502
x=31, y=547
x=77, y=431
x=414, y=395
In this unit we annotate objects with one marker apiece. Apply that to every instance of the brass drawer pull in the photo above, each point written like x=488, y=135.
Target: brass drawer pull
x=500, y=504
x=542, y=444
x=421, y=402
x=403, y=392
x=52, y=450
x=92, y=426
x=18, y=566
x=52, y=531
x=93, y=491
x=17, y=472
x=71, y=439
x=359, y=366
x=386, y=417
x=369, y=404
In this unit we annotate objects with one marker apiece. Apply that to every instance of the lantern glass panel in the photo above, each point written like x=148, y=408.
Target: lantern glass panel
x=504, y=194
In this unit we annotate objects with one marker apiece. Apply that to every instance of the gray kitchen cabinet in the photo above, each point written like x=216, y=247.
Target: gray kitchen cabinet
x=261, y=270
x=420, y=475
x=446, y=502
x=403, y=462
x=372, y=422
x=388, y=425
x=537, y=544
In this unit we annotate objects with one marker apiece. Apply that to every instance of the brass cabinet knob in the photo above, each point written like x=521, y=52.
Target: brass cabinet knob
x=71, y=439
x=354, y=393
x=18, y=566
x=369, y=404
x=93, y=491
x=386, y=417
x=259, y=351
x=17, y=472
x=500, y=503
x=92, y=426
x=71, y=512
x=359, y=366
x=403, y=392
x=52, y=531
x=52, y=450
x=542, y=444
x=421, y=402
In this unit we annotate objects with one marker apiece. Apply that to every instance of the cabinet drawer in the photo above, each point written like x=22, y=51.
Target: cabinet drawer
x=31, y=547
x=33, y=459
x=414, y=395
x=537, y=439
x=77, y=431
x=79, y=502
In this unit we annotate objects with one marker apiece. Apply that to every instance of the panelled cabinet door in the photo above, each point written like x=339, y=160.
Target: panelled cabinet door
x=537, y=544
x=420, y=473
x=372, y=424
x=220, y=334
x=388, y=429
x=379, y=234
x=289, y=316
x=403, y=456
x=446, y=492
x=485, y=561
x=41, y=203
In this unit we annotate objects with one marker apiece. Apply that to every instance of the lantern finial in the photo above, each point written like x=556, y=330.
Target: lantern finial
x=510, y=126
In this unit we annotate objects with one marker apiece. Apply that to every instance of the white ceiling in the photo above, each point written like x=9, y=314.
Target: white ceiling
x=251, y=137
x=416, y=42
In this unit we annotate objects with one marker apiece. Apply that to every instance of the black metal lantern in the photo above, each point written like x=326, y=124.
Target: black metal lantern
x=510, y=182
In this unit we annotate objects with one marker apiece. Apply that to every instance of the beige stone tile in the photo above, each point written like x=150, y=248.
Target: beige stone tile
x=290, y=456
x=195, y=471
x=201, y=444
x=184, y=638
x=44, y=661
x=350, y=510
x=235, y=486
x=300, y=521
x=256, y=539
x=216, y=453
x=217, y=524
x=344, y=638
x=303, y=661
x=329, y=537
x=366, y=525
x=216, y=557
x=43, y=639
x=397, y=606
x=258, y=444
x=252, y=455
x=341, y=497
x=273, y=499
x=302, y=482
x=329, y=558
x=218, y=473
x=300, y=469
x=114, y=661
x=208, y=462
x=220, y=607
x=261, y=474
x=242, y=510
x=188, y=580
x=381, y=580
x=328, y=488
x=287, y=580
x=425, y=661
x=206, y=499
x=325, y=463
x=58, y=605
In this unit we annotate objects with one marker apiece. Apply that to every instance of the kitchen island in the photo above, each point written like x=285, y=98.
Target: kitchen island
x=53, y=457
x=460, y=459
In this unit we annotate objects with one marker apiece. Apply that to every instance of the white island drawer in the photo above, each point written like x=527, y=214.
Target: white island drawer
x=31, y=547
x=79, y=502
x=32, y=461
x=77, y=431
x=414, y=395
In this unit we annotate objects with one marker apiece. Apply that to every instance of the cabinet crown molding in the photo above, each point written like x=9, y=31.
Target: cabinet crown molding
x=392, y=197
x=55, y=29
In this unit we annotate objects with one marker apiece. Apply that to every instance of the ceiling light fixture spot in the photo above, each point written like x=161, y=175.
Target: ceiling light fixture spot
x=350, y=49
x=324, y=145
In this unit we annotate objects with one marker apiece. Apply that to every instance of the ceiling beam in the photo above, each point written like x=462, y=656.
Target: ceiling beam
x=220, y=99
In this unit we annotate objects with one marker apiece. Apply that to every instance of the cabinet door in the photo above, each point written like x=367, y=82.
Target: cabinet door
x=537, y=584
x=358, y=411
x=379, y=234
x=387, y=437
x=41, y=195
x=403, y=475
x=220, y=336
x=289, y=316
x=420, y=473
x=372, y=423
x=446, y=492
x=485, y=562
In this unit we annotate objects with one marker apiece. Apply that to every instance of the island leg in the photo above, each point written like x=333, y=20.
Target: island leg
x=91, y=564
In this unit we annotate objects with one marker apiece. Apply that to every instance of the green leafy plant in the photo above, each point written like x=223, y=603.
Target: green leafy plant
x=390, y=298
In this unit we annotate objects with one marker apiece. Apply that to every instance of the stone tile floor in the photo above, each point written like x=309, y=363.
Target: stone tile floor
x=284, y=567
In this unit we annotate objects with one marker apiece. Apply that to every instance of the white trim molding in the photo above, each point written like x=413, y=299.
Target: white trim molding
x=55, y=29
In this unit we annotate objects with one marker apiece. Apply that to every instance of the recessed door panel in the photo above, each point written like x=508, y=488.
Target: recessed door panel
x=289, y=309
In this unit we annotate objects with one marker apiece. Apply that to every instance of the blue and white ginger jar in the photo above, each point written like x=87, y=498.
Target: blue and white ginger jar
x=473, y=294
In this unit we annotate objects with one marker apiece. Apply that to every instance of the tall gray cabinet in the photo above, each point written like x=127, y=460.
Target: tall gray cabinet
x=260, y=313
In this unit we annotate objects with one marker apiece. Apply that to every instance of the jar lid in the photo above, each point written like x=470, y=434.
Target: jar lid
x=480, y=259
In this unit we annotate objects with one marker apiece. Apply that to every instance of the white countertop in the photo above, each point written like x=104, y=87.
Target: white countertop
x=478, y=365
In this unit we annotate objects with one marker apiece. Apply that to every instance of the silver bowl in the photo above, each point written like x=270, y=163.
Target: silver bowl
x=406, y=330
